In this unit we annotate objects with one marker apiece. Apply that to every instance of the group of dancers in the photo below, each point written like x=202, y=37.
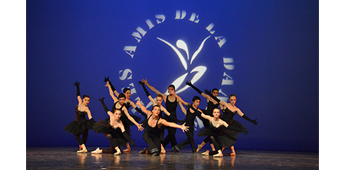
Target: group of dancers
x=221, y=131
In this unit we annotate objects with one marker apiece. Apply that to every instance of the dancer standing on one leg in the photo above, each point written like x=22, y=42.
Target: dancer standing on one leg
x=218, y=132
x=171, y=102
x=152, y=128
x=191, y=114
x=81, y=125
x=127, y=103
x=114, y=131
x=211, y=105
x=229, y=110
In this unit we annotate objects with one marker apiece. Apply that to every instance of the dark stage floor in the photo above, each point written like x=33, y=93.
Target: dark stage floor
x=67, y=158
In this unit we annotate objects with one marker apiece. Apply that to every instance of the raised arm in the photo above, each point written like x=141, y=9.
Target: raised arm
x=111, y=92
x=78, y=93
x=197, y=90
x=216, y=99
x=153, y=89
x=111, y=85
x=105, y=108
x=143, y=108
x=147, y=93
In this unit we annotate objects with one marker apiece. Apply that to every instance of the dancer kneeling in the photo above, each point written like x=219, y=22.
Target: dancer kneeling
x=153, y=128
x=114, y=130
x=219, y=133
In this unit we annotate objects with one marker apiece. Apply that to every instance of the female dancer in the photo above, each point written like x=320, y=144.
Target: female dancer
x=191, y=114
x=152, y=128
x=171, y=102
x=81, y=125
x=219, y=135
x=127, y=103
x=229, y=110
x=114, y=131
x=211, y=105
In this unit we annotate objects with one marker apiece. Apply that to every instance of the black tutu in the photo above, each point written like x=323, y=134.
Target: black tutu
x=80, y=126
x=237, y=127
x=103, y=126
x=226, y=137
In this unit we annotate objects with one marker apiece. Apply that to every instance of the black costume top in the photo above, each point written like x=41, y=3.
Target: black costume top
x=80, y=124
x=155, y=131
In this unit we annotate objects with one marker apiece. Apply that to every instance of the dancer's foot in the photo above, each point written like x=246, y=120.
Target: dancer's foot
x=219, y=154
x=83, y=150
x=200, y=146
x=233, y=154
x=127, y=150
x=206, y=152
x=98, y=150
x=143, y=151
x=118, y=152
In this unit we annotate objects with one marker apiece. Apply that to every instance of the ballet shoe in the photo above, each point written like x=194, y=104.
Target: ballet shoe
x=143, y=151
x=98, y=150
x=155, y=154
x=219, y=154
x=118, y=152
x=206, y=152
x=199, y=147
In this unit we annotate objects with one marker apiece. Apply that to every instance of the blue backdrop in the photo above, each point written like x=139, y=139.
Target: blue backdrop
x=265, y=52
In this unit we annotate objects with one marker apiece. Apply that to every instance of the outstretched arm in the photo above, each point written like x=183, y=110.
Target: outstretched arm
x=181, y=100
x=216, y=99
x=147, y=93
x=174, y=125
x=182, y=107
x=131, y=119
x=246, y=117
x=78, y=93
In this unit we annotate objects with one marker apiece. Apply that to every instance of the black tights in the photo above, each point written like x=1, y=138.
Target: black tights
x=84, y=137
x=171, y=137
x=216, y=145
x=153, y=142
x=190, y=140
x=113, y=144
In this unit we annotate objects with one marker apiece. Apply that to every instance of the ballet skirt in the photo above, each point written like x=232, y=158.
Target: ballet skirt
x=103, y=126
x=233, y=124
x=80, y=124
x=226, y=137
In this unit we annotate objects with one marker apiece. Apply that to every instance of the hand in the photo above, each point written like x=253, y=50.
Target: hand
x=106, y=79
x=141, y=82
x=138, y=102
x=101, y=99
x=207, y=91
x=77, y=84
x=188, y=83
x=255, y=122
x=185, y=128
x=140, y=128
x=107, y=84
x=144, y=81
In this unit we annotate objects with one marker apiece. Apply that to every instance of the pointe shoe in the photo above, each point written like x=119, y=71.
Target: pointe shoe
x=118, y=152
x=206, y=152
x=219, y=154
x=83, y=150
x=98, y=150
x=199, y=147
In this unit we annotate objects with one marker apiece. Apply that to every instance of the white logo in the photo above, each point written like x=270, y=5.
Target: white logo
x=199, y=69
x=181, y=51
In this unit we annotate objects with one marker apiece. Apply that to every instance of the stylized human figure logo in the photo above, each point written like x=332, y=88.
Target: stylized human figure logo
x=199, y=69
